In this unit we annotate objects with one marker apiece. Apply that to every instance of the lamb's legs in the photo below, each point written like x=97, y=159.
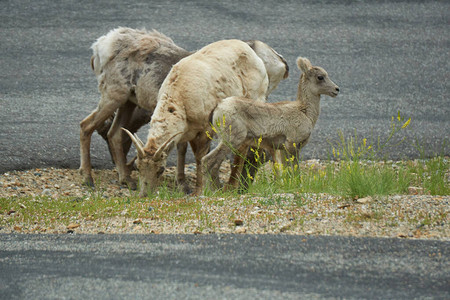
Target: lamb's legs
x=235, y=175
x=238, y=173
x=104, y=110
x=211, y=164
x=115, y=140
x=181, y=160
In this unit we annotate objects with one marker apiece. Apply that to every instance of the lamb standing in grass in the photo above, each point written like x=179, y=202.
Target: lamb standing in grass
x=287, y=125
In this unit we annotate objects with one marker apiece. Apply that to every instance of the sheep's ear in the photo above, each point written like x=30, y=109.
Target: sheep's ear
x=303, y=64
x=137, y=142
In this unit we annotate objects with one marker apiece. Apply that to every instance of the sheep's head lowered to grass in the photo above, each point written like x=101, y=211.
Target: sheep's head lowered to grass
x=147, y=162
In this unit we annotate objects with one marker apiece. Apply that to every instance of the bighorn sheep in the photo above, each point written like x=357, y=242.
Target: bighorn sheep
x=187, y=98
x=284, y=125
x=127, y=64
x=130, y=66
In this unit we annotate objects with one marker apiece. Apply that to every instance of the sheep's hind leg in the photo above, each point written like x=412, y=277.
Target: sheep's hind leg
x=104, y=110
x=139, y=118
x=115, y=140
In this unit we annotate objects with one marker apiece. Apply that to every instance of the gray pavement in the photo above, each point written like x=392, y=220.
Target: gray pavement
x=385, y=56
x=221, y=267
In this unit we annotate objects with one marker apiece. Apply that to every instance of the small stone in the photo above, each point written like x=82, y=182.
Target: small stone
x=238, y=222
x=73, y=226
x=344, y=206
x=47, y=192
x=413, y=190
x=364, y=200
x=11, y=212
x=17, y=228
x=22, y=206
x=309, y=232
x=240, y=230
x=285, y=228
x=137, y=221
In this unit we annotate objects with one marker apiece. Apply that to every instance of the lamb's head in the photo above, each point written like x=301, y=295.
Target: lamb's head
x=151, y=165
x=317, y=79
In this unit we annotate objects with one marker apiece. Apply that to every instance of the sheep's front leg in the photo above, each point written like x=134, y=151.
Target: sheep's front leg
x=181, y=176
x=115, y=140
x=200, y=147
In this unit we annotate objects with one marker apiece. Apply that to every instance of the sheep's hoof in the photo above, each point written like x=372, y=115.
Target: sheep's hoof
x=129, y=183
x=89, y=182
x=184, y=186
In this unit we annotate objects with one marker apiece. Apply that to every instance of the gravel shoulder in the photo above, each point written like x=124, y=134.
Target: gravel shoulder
x=404, y=216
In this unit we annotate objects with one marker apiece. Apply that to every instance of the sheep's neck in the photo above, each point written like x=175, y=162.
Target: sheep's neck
x=312, y=101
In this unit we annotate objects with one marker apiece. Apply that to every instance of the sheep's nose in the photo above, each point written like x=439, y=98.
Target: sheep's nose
x=337, y=89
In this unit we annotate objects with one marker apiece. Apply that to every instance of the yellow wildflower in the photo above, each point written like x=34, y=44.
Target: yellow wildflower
x=406, y=123
x=208, y=135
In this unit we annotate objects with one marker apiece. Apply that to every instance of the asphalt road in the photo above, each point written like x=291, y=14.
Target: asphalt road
x=385, y=56
x=221, y=267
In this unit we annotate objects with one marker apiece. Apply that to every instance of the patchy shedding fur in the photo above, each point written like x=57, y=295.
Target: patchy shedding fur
x=130, y=66
x=284, y=125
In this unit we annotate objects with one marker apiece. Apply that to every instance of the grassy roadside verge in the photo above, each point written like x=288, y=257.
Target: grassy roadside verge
x=355, y=192
x=319, y=199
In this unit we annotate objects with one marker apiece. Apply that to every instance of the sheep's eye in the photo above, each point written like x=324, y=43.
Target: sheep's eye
x=160, y=172
x=320, y=77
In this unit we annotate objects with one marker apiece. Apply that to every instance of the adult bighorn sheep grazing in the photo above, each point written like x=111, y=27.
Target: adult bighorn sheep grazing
x=187, y=97
x=283, y=125
x=130, y=66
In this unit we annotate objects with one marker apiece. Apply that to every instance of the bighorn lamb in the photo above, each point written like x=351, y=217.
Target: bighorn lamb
x=284, y=125
x=187, y=98
x=130, y=66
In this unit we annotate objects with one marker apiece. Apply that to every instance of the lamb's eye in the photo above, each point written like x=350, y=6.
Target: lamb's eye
x=320, y=77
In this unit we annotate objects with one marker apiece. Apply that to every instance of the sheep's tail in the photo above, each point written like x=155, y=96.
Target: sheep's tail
x=211, y=115
x=101, y=54
x=94, y=61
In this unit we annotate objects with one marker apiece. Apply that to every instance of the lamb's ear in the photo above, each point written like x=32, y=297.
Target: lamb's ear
x=137, y=142
x=303, y=64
